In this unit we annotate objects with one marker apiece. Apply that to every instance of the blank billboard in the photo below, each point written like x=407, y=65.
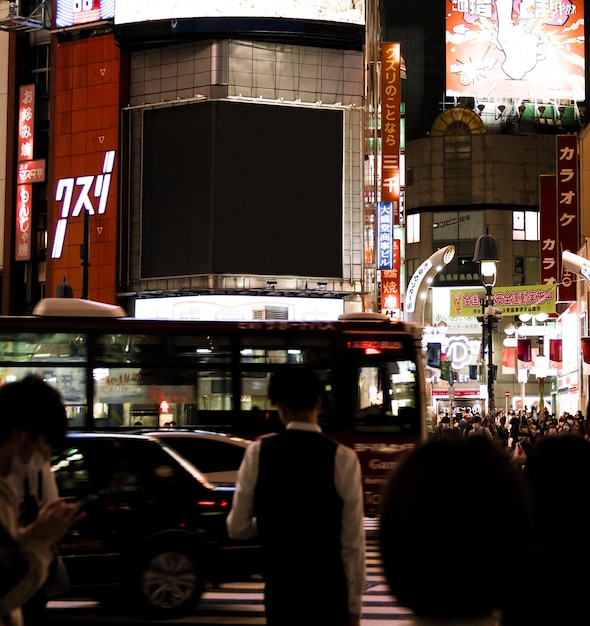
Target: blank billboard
x=247, y=189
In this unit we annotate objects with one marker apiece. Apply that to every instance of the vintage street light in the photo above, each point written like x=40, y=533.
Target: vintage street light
x=487, y=254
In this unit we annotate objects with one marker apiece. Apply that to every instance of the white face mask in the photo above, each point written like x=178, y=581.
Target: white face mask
x=19, y=469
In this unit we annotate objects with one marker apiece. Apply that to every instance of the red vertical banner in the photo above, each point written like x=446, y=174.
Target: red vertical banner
x=26, y=122
x=567, y=209
x=390, y=125
x=22, y=245
x=390, y=285
x=548, y=219
x=24, y=195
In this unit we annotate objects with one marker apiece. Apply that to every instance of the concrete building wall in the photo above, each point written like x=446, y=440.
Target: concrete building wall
x=504, y=169
x=252, y=72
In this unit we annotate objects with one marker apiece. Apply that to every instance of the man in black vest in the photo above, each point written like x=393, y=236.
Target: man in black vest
x=301, y=493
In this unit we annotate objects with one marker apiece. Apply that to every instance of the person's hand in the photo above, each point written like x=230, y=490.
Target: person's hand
x=54, y=521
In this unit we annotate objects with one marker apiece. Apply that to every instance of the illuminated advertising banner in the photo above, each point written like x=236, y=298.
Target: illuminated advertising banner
x=24, y=194
x=567, y=208
x=31, y=171
x=127, y=11
x=390, y=126
x=390, y=285
x=515, y=49
x=76, y=12
x=22, y=247
x=549, y=247
x=384, y=235
x=26, y=122
x=512, y=300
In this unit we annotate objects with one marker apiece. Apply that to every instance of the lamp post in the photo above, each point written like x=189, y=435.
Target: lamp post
x=487, y=254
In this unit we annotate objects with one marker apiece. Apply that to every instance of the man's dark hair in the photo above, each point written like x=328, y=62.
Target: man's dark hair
x=297, y=386
x=35, y=406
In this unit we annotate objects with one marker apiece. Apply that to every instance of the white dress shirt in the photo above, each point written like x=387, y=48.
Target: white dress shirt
x=241, y=523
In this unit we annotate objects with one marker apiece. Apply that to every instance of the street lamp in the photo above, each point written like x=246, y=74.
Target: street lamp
x=487, y=254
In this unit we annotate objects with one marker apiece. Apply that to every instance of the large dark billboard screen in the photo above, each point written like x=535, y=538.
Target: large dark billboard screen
x=239, y=188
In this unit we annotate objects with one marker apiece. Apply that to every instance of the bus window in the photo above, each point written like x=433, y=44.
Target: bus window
x=157, y=348
x=41, y=347
x=277, y=349
x=387, y=398
x=151, y=396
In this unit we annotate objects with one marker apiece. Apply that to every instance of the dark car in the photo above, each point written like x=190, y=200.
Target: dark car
x=217, y=455
x=155, y=530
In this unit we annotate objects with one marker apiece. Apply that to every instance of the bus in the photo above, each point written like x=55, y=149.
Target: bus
x=117, y=372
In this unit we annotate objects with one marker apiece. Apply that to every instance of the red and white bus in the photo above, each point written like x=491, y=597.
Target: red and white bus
x=119, y=373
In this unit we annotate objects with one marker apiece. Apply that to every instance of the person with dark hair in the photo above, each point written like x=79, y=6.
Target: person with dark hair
x=557, y=469
x=301, y=493
x=32, y=421
x=454, y=484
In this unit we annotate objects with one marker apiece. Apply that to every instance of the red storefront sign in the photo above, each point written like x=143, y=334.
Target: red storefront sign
x=22, y=248
x=31, y=171
x=390, y=285
x=26, y=137
x=548, y=212
x=567, y=209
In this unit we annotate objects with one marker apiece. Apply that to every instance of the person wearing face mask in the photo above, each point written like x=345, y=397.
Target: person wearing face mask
x=478, y=429
x=446, y=429
x=32, y=421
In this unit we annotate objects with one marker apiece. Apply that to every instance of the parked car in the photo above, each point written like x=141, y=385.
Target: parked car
x=155, y=530
x=217, y=455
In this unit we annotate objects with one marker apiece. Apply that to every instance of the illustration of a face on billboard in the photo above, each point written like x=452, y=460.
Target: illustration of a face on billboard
x=75, y=12
x=347, y=11
x=515, y=49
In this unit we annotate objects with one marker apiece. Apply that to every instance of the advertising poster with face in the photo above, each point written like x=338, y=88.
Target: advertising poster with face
x=515, y=49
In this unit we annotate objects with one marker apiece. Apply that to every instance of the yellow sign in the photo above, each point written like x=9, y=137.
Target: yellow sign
x=531, y=299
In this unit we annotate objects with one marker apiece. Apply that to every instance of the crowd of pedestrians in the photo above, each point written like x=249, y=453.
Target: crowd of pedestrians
x=526, y=523
x=521, y=428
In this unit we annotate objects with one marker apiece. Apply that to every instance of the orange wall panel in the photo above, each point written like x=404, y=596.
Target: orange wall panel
x=86, y=133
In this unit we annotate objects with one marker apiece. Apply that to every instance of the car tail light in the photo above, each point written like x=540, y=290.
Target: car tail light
x=213, y=503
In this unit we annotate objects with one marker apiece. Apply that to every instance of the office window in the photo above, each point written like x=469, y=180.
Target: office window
x=413, y=228
x=525, y=226
x=453, y=225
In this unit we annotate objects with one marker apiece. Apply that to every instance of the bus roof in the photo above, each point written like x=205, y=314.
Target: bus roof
x=77, y=307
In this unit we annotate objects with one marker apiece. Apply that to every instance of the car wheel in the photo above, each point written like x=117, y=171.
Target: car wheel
x=169, y=581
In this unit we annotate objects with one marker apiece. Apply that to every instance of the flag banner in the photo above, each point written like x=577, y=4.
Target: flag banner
x=585, y=341
x=525, y=354
x=555, y=353
x=508, y=361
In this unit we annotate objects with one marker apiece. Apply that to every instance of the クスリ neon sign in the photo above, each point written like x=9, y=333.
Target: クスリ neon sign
x=99, y=186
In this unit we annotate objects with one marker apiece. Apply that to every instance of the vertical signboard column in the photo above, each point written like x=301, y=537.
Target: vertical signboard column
x=567, y=209
x=388, y=213
x=26, y=131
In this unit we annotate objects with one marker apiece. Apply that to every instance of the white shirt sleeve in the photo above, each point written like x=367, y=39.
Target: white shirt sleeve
x=241, y=524
x=347, y=475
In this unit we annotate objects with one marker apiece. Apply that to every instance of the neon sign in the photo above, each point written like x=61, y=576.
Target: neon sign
x=64, y=192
